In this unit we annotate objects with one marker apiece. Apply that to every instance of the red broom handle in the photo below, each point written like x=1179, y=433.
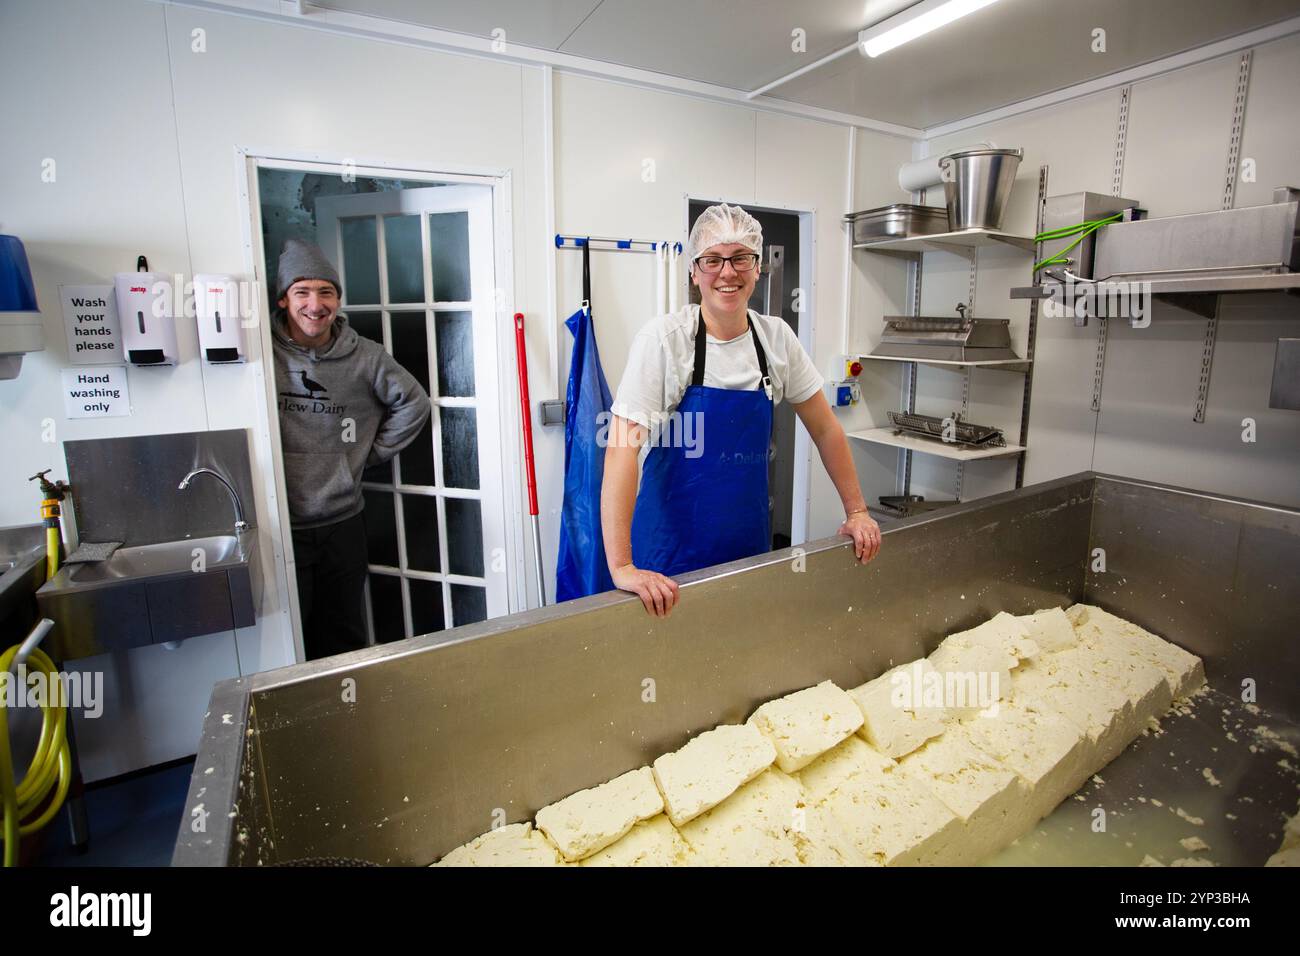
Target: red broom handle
x=521, y=361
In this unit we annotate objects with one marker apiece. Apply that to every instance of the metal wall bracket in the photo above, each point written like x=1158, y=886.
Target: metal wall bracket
x=1116, y=186
x=1099, y=366
x=1207, y=361
x=909, y=370
x=965, y=410
x=1031, y=342
x=1229, y=197
x=1121, y=143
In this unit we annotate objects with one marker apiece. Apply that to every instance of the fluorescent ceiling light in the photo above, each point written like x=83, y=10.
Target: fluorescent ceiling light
x=914, y=22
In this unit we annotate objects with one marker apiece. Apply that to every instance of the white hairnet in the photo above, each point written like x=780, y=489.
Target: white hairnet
x=724, y=225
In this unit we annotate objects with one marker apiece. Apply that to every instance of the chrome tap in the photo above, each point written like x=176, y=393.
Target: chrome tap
x=240, y=524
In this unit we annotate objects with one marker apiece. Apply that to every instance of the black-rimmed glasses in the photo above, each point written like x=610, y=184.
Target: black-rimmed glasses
x=741, y=262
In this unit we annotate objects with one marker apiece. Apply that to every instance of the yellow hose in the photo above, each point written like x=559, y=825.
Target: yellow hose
x=51, y=765
x=51, y=552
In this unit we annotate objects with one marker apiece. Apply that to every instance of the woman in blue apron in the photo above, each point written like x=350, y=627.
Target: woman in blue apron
x=703, y=496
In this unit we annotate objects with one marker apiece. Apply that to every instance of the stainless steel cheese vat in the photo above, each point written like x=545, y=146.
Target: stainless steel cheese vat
x=399, y=753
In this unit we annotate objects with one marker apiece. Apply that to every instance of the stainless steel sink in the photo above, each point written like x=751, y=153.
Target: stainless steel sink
x=22, y=560
x=152, y=594
x=164, y=558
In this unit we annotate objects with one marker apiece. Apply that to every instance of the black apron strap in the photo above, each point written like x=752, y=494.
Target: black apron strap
x=697, y=375
x=762, y=356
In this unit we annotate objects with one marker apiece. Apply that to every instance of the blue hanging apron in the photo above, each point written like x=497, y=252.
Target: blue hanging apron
x=705, y=501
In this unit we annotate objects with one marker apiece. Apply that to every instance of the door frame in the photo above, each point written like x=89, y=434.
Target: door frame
x=266, y=440
x=801, y=491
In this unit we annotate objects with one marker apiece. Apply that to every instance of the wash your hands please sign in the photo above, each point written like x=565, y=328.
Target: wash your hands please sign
x=90, y=315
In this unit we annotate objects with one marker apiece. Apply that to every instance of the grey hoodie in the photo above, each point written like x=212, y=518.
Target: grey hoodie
x=342, y=408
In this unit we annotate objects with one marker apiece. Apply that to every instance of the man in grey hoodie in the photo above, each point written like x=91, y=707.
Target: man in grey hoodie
x=344, y=404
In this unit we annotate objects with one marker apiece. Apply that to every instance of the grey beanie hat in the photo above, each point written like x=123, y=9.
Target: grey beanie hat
x=301, y=259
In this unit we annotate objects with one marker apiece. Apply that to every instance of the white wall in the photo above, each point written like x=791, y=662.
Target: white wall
x=1176, y=155
x=144, y=131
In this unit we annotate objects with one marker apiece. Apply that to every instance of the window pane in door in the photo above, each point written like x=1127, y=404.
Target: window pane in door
x=369, y=324
x=420, y=519
x=411, y=344
x=455, y=331
x=386, y=607
x=468, y=604
x=381, y=473
x=381, y=527
x=449, y=253
x=415, y=462
x=459, y=447
x=464, y=536
x=360, y=260
x=405, y=258
x=426, y=606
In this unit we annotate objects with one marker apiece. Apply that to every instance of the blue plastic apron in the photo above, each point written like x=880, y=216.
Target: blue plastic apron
x=707, y=504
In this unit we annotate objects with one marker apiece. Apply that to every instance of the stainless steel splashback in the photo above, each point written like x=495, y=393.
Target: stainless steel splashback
x=399, y=753
x=124, y=489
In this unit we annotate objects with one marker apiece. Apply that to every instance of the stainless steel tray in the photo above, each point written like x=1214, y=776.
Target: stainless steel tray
x=898, y=221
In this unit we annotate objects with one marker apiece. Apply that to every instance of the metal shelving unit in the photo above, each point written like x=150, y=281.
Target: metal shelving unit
x=964, y=243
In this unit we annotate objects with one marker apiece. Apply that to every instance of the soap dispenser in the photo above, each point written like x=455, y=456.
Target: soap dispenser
x=144, y=311
x=221, y=332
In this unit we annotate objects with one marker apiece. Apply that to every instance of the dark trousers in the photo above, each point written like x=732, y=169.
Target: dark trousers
x=331, y=563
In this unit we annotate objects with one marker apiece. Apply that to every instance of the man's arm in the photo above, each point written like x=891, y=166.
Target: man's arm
x=408, y=409
x=617, y=501
x=828, y=435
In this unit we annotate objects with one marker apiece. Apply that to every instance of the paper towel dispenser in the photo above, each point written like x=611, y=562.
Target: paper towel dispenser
x=20, y=320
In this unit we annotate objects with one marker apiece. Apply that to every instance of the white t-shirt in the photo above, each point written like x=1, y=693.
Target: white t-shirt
x=662, y=359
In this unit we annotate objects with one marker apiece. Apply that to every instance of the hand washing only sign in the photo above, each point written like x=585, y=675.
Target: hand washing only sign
x=95, y=393
x=90, y=314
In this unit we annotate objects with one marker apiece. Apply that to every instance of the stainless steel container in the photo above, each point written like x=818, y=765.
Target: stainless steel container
x=898, y=221
x=977, y=184
x=399, y=753
x=1252, y=240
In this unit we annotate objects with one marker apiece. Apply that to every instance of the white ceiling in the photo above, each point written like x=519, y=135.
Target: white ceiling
x=1011, y=51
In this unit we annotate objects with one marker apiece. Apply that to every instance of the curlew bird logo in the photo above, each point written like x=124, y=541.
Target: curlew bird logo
x=311, y=385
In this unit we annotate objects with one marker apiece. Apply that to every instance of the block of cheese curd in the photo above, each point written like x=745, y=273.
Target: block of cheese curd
x=897, y=717
x=1003, y=632
x=1069, y=683
x=1051, y=629
x=1048, y=751
x=769, y=822
x=837, y=766
x=975, y=675
x=988, y=798
x=591, y=820
x=804, y=725
x=1184, y=671
x=895, y=821
x=1115, y=659
x=891, y=819
x=710, y=768
x=653, y=842
x=517, y=844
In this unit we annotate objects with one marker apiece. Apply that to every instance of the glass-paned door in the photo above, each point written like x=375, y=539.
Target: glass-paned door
x=418, y=278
